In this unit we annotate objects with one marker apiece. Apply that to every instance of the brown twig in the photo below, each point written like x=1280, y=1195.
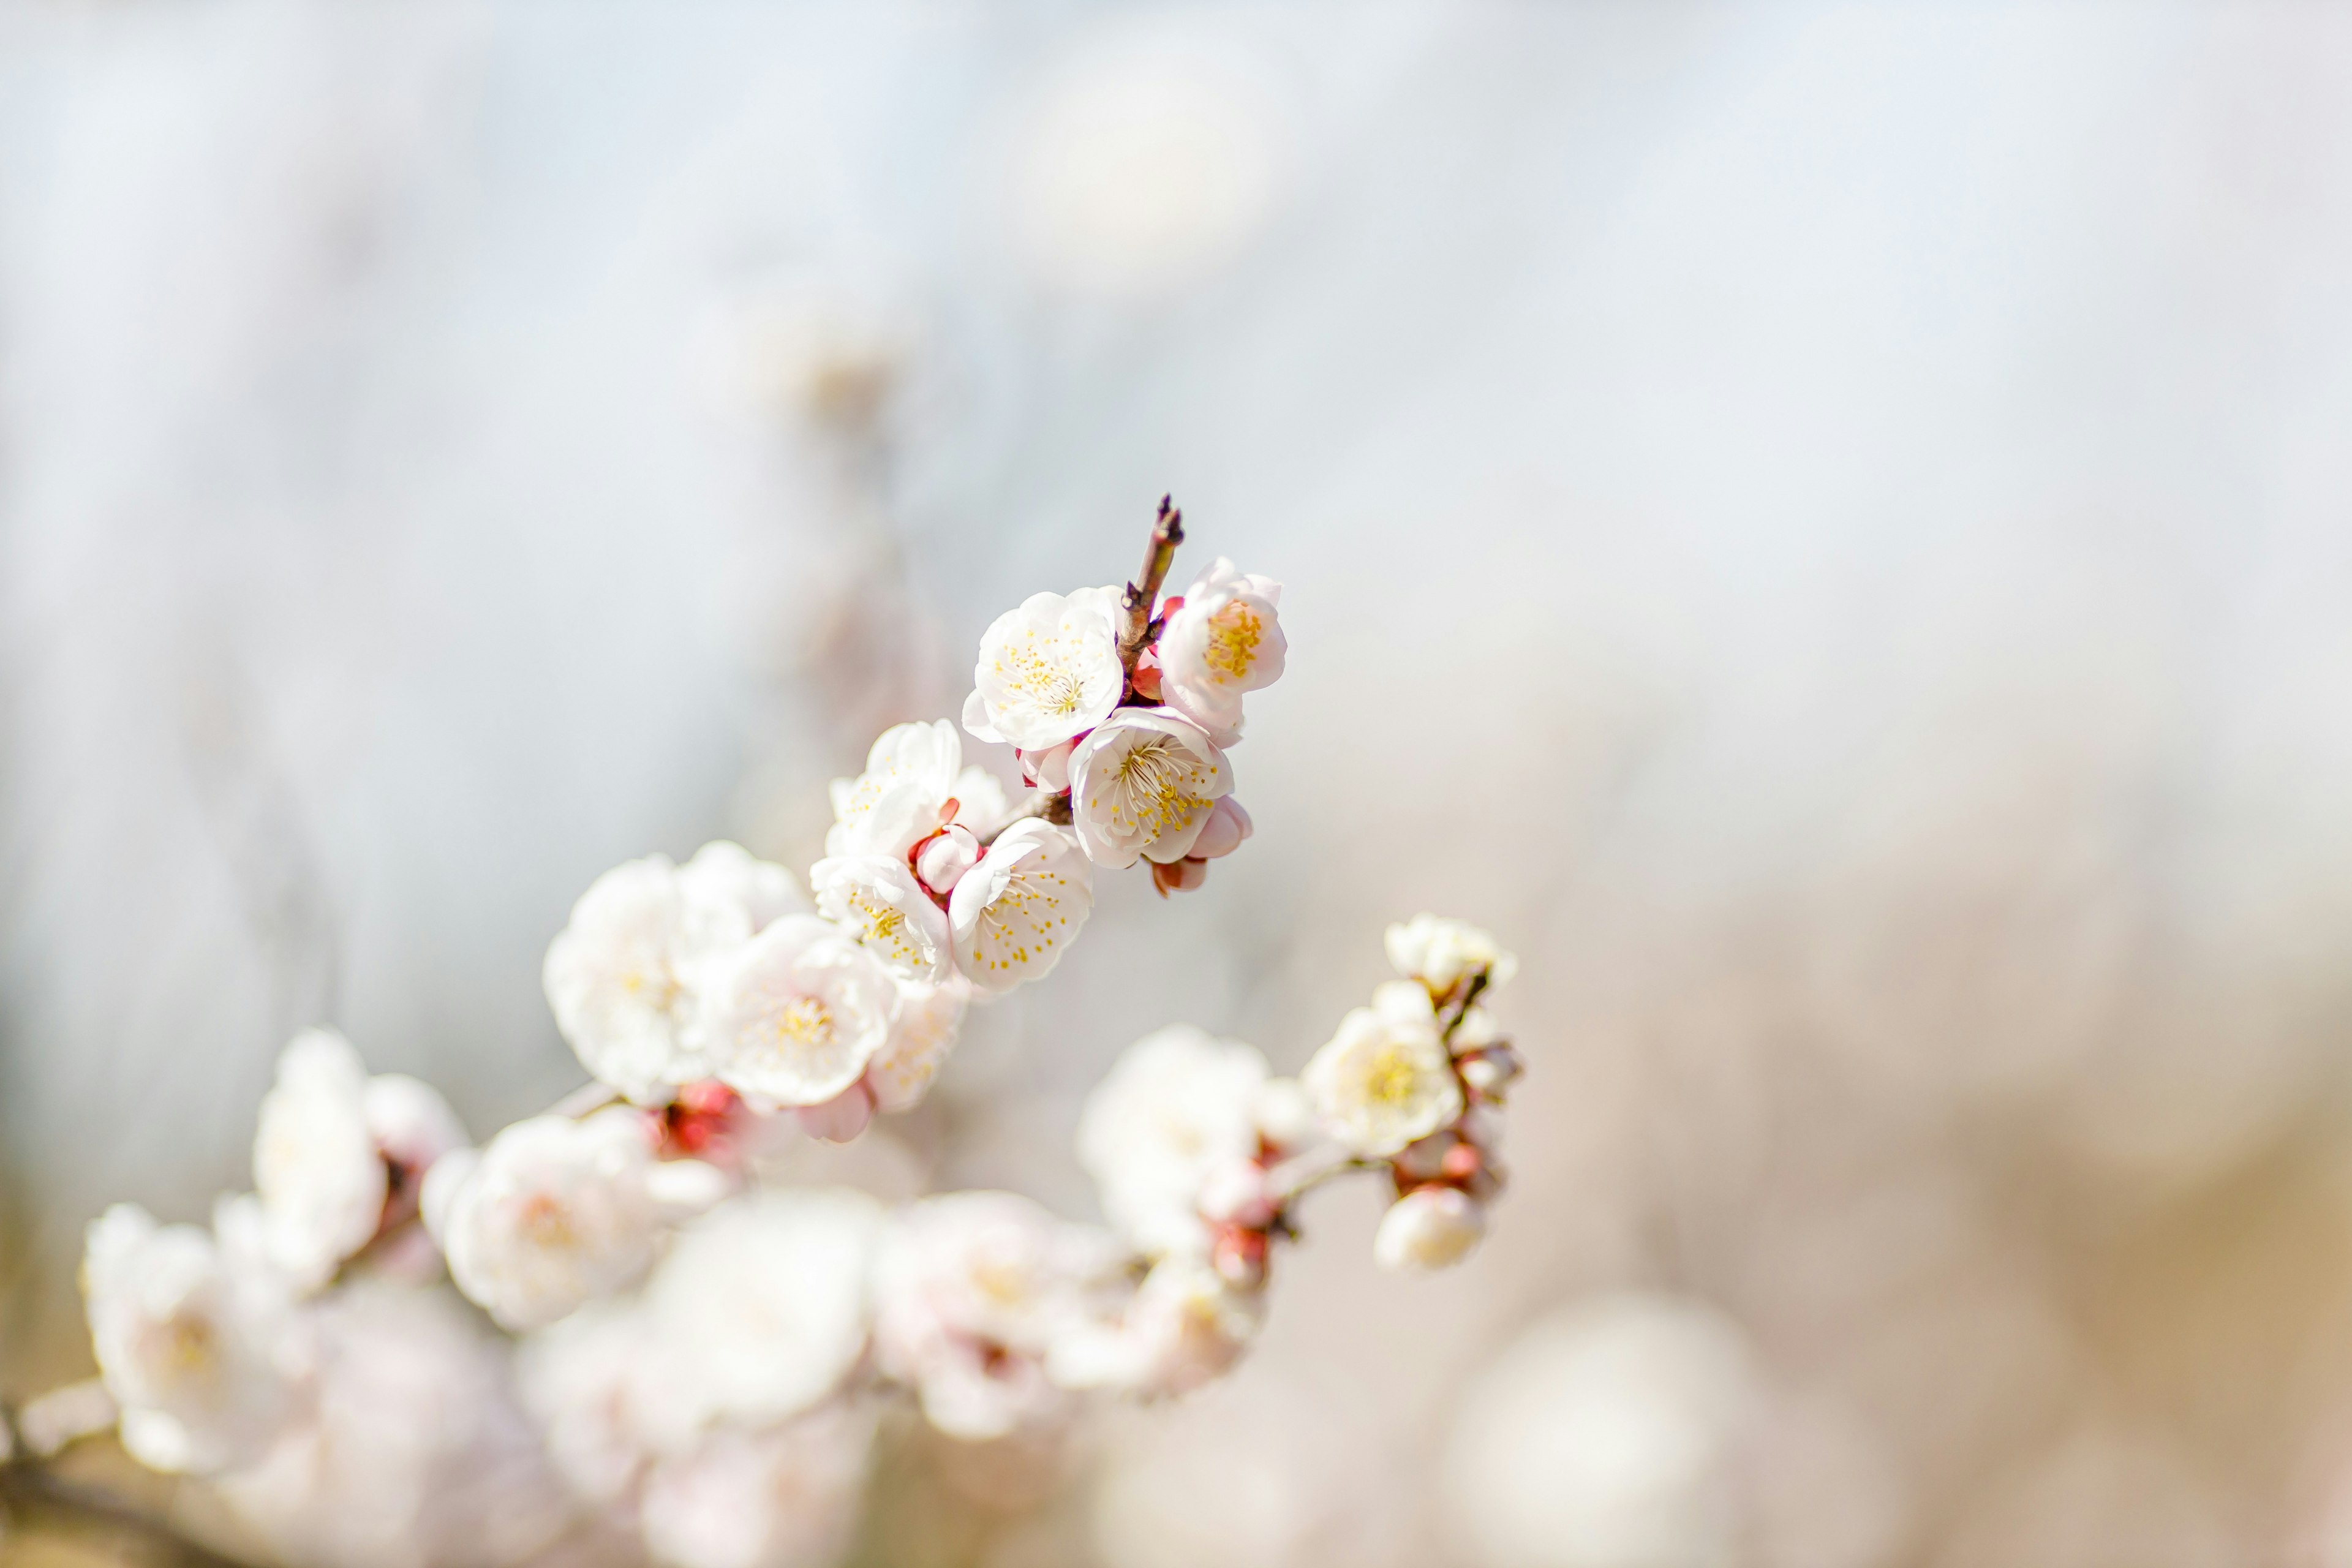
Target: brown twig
x=38, y=1497
x=1459, y=1008
x=1053, y=806
x=1158, y=555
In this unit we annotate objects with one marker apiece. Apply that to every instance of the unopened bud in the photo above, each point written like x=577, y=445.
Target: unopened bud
x=1049, y=769
x=840, y=1119
x=1427, y=1229
x=942, y=862
x=1492, y=1070
x=1238, y=1256
x=1179, y=876
x=1235, y=1193
x=1223, y=834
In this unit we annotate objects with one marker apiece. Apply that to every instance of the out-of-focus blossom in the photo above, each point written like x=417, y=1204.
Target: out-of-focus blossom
x=1427, y=1229
x=929, y=1018
x=1224, y=640
x=1178, y=1105
x=877, y=903
x=1439, y=952
x=412, y=1453
x=585, y=1379
x=321, y=1180
x=1142, y=784
x=912, y=772
x=1185, y=1325
x=554, y=1212
x=1049, y=670
x=1385, y=1079
x=627, y=974
x=798, y=1012
x=1014, y=913
x=194, y=1339
x=971, y=1292
x=339, y=1155
x=758, y=1312
x=1606, y=1436
x=784, y=1496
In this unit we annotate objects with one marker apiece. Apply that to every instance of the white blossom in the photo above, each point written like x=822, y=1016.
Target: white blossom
x=1224, y=640
x=316, y=1167
x=1143, y=784
x=1049, y=670
x=585, y=1380
x=929, y=1019
x=797, y=1013
x=1184, y=1326
x=971, y=1290
x=194, y=1342
x=877, y=903
x=912, y=772
x=626, y=976
x=1384, y=1080
x=1176, y=1107
x=329, y=1144
x=411, y=1452
x=1014, y=913
x=555, y=1212
x=1427, y=1229
x=758, y=1312
x=784, y=1496
x=1439, y=952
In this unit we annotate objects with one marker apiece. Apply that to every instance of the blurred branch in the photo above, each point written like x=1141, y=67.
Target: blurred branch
x=34, y=1496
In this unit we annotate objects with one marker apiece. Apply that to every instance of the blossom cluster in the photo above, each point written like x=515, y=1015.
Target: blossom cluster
x=698, y=1360
x=702, y=1360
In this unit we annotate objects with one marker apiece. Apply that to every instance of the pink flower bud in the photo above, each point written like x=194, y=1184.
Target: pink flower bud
x=840, y=1119
x=1236, y=1192
x=942, y=862
x=1428, y=1229
x=1050, y=769
x=1223, y=834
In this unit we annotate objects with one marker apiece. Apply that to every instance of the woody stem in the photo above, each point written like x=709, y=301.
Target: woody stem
x=1134, y=608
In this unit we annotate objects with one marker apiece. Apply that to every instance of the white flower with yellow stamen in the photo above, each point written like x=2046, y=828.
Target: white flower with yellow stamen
x=1439, y=952
x=1143, y=784
x=1183, y=1326
x=1384, y=1080
x=911, y=772
x=880, y=906
x=624, y=977
x=1047, y=670
x=191, y=1343
x=555, y=1212
x=971, y=1290
x=798, y=1013
x=1224, y=640
x=1177, y=1106
x=1014, y=913
x=929, y=1018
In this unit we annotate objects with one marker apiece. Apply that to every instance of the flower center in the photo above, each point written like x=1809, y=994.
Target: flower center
x=545, y=1222
x=1390, y=1078
x=1045, y=681
x=1154, y=794
x=1234, y=632
x=190, y=1344
x=804, y=1021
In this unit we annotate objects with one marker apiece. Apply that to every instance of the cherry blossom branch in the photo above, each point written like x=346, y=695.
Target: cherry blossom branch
x=1158, y=555
x=30, y=1491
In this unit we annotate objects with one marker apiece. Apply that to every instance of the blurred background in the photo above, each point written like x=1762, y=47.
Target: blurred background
x=1826, y=528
